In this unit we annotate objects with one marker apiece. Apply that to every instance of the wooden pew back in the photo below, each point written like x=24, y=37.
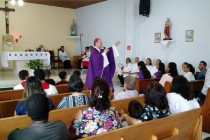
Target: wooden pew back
x=181, y=126
x=141, y=84
x=206, y=113
x=66, y=115
x=62, y=88
x=11, y=95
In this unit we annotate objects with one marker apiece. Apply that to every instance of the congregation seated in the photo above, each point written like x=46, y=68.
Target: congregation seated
x=180, y=98
x=156, y=105
x=86, y=58
x=171, y=71
x=65, y=58
x=149, y=64
x=129, y=89
x=160, y=69
x=47, y=77
x=77, y=72
x=49, y=89
x=32, y=86
x=77, y=98
x=41, y=129
x=184, y=65
x=202, y=67
x=63, y=76
x=125, y=71
x=99, y=116
x=23, y=75
x=135, y=68
x=143, y=73
x=189, y=72
x=82, y=57
x=202, y=95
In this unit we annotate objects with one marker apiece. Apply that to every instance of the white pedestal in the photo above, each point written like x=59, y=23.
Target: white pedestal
x=166, y=43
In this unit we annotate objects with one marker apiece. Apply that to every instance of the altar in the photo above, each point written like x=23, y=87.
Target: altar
x=21, y=58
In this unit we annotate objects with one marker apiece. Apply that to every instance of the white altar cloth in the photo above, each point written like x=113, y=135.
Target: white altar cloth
x=21, y=56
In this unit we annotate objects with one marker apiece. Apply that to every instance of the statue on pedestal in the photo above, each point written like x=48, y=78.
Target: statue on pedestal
x=167, y=30
x=73, y=29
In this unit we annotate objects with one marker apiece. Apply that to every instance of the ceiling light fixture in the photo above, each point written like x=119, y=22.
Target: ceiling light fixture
x=19, y=2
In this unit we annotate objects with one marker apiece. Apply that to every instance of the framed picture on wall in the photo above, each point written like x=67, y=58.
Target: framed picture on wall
x=157, y=38
x=189, y=35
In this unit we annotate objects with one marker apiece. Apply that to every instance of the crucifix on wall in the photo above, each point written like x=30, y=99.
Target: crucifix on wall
x=6, y=9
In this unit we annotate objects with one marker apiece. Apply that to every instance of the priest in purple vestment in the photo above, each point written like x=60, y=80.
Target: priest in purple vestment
x=102, y=63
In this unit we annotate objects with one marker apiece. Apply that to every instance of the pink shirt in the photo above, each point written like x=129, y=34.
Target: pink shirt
x=164, y=78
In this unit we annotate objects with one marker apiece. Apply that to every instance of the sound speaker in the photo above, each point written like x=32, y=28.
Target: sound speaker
x=144, y=8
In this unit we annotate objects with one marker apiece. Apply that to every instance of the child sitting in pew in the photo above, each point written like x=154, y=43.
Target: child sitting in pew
x=156, y=105
x=23, y=75
x=63, y=76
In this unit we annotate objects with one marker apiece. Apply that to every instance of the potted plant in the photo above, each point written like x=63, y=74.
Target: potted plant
x=33, y=65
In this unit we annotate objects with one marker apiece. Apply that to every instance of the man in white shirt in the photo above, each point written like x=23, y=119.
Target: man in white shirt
x=135, y=68
x=65, y=58
x=23, y=75
x=49, y=89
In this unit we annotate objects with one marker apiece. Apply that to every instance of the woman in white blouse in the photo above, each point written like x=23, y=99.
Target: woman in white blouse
x=181, y=98
x=65, y=58
x=189, y=72
x=125, y=71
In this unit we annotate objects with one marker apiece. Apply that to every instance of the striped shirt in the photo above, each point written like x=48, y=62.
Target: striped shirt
x=71, y=101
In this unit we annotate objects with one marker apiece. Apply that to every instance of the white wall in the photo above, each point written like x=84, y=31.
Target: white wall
x=185, y=15
x=120, y=19
x=105, y=20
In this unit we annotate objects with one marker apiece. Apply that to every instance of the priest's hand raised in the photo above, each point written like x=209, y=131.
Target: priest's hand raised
x=106, y=50
x=117, y=43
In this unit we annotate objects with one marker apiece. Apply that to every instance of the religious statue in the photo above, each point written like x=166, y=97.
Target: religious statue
x=73, y=29
x=167, y=30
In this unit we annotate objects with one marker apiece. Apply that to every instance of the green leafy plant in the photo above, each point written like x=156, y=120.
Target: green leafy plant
x=34, y=64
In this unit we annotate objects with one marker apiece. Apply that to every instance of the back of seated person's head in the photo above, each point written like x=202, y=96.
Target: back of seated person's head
x=180, y=85
x=155, y=96
x=75, y=84
x=39, y=73
x=135, y=109
x=77, y=72
x=47, y=73
x=130, y=83
x=100, y=95
x=33, y=85
x=23, y=74
x=191, y=68
x=208, y=138
x=38, y=107
x=62, y=75
x=162, y=68
x=172, y=69
x=146, y=73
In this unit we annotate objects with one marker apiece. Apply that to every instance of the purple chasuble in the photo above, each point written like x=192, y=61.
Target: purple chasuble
x=95, y=67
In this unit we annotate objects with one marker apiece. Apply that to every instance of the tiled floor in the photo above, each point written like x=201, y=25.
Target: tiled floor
x=9, y=78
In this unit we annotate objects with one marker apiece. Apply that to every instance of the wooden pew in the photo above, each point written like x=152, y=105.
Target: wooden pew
x=196, y=86
x=181, y=126
x=11, y=95
x=62, y=88
x=206, y=113
x=7, y=108
x=141, y=84
x=66, y=115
